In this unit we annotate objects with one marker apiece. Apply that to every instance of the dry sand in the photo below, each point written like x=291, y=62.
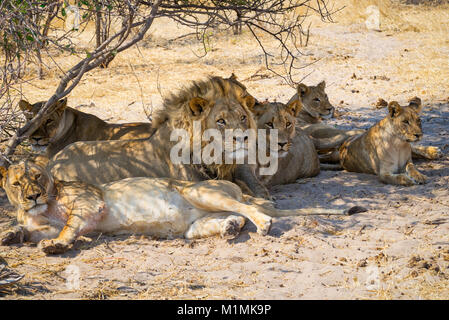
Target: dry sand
x=398, y=249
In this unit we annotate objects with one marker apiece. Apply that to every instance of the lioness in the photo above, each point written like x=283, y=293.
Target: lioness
x=215, y=103
x=315, y=103
x=385, y=148
x=55, y=213
x=316, y=106
x=67, y=125
x=296, y=154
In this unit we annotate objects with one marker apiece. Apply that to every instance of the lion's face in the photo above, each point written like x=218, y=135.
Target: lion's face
x=229, y=114
x=405, y=120
x=315, y=100
x=41, y=138
x=281, y=117
x=27, y=186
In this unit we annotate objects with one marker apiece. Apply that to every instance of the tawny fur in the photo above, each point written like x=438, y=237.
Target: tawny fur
x=385, y=148
x=328, y=139
x=297, y=157
x=67, y=125
x=56, y=213
x=206, y=101
x=315, y=103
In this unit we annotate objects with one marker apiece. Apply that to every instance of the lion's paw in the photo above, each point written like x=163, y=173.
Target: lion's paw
x=52, y=246
x=264, y=225
x=12, y=236
x=420, y=178
x=434, y=153
x=232, y=226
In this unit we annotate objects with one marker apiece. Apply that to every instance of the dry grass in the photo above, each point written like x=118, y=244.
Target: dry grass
x=395, y=16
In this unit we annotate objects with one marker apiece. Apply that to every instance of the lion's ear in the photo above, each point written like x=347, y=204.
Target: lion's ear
x=322, y=85
x=258, y=108
x=394, y=109
x=3, y=174
x=198, y=105
x=249, y=102
x=294, y=107
x=62, y=104
x=25, y=105
x=303, y=89
x=416, y=104
x=233, y=77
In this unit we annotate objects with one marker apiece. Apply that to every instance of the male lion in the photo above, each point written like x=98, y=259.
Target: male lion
x=215, y=103
x=67, y=125
x=56, y=213
x=385, y=148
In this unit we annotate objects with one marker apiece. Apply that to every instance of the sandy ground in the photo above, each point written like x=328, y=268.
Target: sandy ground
x=398, y=249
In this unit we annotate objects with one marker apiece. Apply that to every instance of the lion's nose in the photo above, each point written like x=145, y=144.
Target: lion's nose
x=34, y=196
x=282, y=144
x=245, y=139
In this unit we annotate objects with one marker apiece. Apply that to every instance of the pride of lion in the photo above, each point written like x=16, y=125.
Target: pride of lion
x=120, y=178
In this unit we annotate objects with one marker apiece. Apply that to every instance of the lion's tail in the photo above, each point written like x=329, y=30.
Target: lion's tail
x=268, y=208
x=313, y=212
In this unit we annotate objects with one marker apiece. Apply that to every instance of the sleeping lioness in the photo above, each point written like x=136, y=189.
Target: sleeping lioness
x=56, y=213
x=67, y=125
x=385, y=148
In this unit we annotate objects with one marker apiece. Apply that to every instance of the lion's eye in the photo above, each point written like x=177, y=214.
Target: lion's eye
x=221, y=122
x=16, y=184
x=37, y=176
x=243, y=118
x=317, y=100
x=405, y=121
x=289, y=124
x=269, y=124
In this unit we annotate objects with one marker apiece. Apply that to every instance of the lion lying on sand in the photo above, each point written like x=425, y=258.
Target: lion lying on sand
x=67, y=125
x=296, y=154
x=316, y=106
x=385, y=148
x=56, y=213
x=215, y=103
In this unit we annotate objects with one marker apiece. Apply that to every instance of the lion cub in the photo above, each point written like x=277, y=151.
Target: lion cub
x=385, y=148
